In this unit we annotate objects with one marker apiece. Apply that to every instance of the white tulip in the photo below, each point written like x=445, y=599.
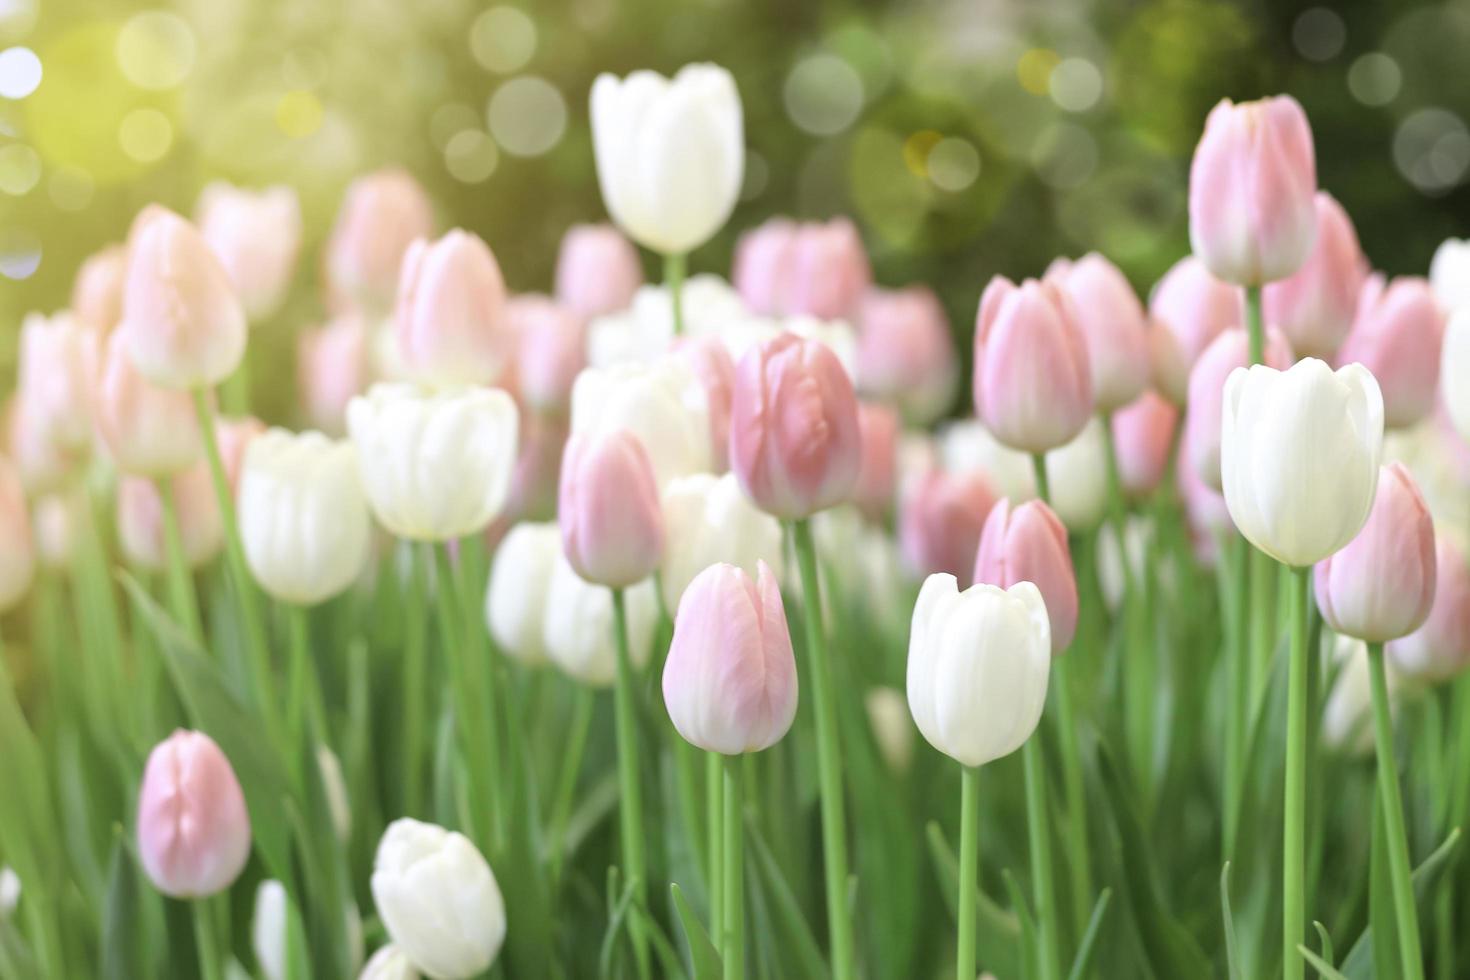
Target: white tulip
x=56, y=375
x=707, y=520
x=268, y=929
x=1299, y=456
x=579, y=625
x=1078, y=475
x=1449, y=274
x=1347, y=721
x=515, y=601
x=670, y=154
x=435, y=465
x=1454, y=369
x=335, y=788
x=888, y=715
x=662, y=403
x=388, y=963
x=303, y=519
x=438, y=899
x=645, y=330
x=9, y=891
x=968, y=447
x=836, y=335
x=978, y=666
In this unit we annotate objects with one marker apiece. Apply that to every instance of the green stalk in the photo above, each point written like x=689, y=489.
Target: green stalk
x=211, y=965
x=1262, y=586
x=734, y=872
x=299, y=630
x=1140, y=674
x=415, y=692
x=1293, y=864
x=1254, y=325
x=969, y=868
x=829, y=756
x=1043, y=482
x=1039, y=841
x=1411, y=958
x=631, y=816
x=675, y=267
x=184, y=604
x=1234, y=573
x=714, y=775
x=566, y=783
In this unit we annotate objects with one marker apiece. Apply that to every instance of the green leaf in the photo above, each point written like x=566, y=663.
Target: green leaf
x=1083, y=961
x=798, y=944
x=996, y=930
x=707, y=963
x=1028, y=925
x=1324, y=969
x=122, y=916
x=1359, y=962
x=1232, y=949
x=1326, y=941
x=1381, y=921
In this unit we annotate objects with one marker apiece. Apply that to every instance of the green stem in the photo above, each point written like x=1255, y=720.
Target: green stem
x=675, y=267
x=1254, y=326
x=829, y=756
x=1262, y=586
x=1234, y=573
x=734, y=873
x=566, y=783
x=298, y=626
x=713, y=800
x=211, y=965
x=415, y=692
x=1412, y=960
x=1293, y=864
x=631, y=816
x=1039, y=840
x=481, y=667
x=181, y=598
x=1043, y=482
x=969, y=868
x=1079, y=862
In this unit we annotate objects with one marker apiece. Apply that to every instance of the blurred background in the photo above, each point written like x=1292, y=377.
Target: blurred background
x=966, y=137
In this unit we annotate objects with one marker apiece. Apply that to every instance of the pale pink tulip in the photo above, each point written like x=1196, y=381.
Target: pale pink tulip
x=233, y=437
x=712, y=367
x=140, y=527
x=1398, y=334
x=1143, y=433
x=906, y=355
x=551, y=348
x=59, y=359
x=1189, y=308
x=940, y=520
x=534, y=484
x=1204, y=507
x=878, y=476
x=1314, y=307
x=597, y=271
x=1440, y=648
x=257, y=236
x=451, y=321
x=97, y=291
x=17, y=549
x=1112, y=321
x=332, y=366
x=829, y=270
x=1229, y=351
x=193, y=828
x=1029, y=544
x=612, y=526
x=762, y=270
x=382, y=213
x=148, y=430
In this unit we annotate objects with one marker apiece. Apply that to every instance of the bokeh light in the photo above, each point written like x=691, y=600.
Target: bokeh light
x=1319, y=34
x=1375, y=79
x=156, y=49
x=470, y=156
x=1431, y=148
x=503, y=39
x=20, y=72
x=20, y=169
x=823, y=94
x=527, y=116
x=20, y=253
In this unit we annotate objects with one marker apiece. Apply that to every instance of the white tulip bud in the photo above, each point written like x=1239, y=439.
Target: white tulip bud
x=515, y=602
x=1078, y=474
x=1454, y=372
x=335, y=788
x=268, y=929
x=662, y=403
x=388, y=963
x=707, y=520
x=579, y=624
x=888, y=714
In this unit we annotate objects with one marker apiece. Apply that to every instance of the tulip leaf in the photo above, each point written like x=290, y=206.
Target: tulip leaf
x=706, y=959
x=1232, y=948
x=1027, y=923
x=1359, y=964
x=1326, y=941
x=801, y=947
x=996, y=930
x=1324, y=969
x=1082, y=962
x=122, y=916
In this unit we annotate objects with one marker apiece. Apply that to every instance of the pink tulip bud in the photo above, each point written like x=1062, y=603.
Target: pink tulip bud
x=794, y=441
x=906, y=355
x=829, y=270
x=1189, y=309
x=1314, y=307
x=381, y=215
x=551, y=346
x=1027, y=341
x=44, y=466
x=184, y=325
x=257, y=235
x=97, y=292
x=55, y=377
x=762, y=271
x=1398, y=335
x=878, y=475
x=612, y=528
x=142, y=220
x=332, y=366
x=233, y=437
x=1229, y=351
x=451, y=322
x=1029, y=544
x=940, y=522
x=710, y=362
x=1381, y=585
x=1143, y=433
x=597, y=271
x=148, y=430
x=1251, y=216
x=1440, y=649
x=730, y=677
x=193, y=828
x=140, y=527
x=1113, y=325
x=17, y=549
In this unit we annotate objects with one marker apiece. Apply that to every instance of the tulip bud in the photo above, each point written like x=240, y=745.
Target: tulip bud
x=877, y=476
x=42, y=464
x=331, y=367
x=1026, y=341
x=794, y=440
x=515, y=602
x=140, y=527
x=97, y=291
x=906, y=355
x=1229, y=351
x=708, y=520
x=1440, y=648
x=256, y=236
x=712, y=367
x=1143, y=433
x=940, y=522
x=59, y=518
x=893, y=730
x=578, y=630
x=1449, y=274
x=1347, y=724
x=550, y=344
x=148, y=430
x=1398, y=335
x=1380, y=586
x=966, y=446
x=1189, y=308
x=381, y=214
x=611, y=527
x=1029, y=544
x=762, y=267
x=17, y=553
x=232, y=437
x=1204, y=507
x=597, y=270
x=670, y=154
x=184, y=326
x=977, y=668
x=434, y=465
x=451, y=320
x=268, y=929
x=730, y=678
x=1314, y=307
x=1299, y=454
x=388, y=963
x=1113, y=326
x=55, y=378
x=334, y=787
x=193, y=829
x=1251, y=186
x=829, y=270
x=438, y=899
x=662, y=404
x=1077, y=477
x=1454, y=369
x=9, y=892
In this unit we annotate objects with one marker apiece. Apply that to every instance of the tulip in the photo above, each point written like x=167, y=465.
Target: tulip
x=550, y=344
x=1449, y=274
x=829, y=270
x=940, y=523
x=1077, y=476
x=611, y=527
x=97, y=291
x=1454, y=369
x=334, y=788
x=381, y=215
x=1029, y=544
x=331, y=368
x=256, y=235
x=303, y=520
x=877, y=476
x=1204, y=507
x=906, y=354
x=888, y=716
x=515, y=602
x=59, y=519
x=1113, y=326
x=1398, y=335
x=1251, y=186
x=17, y=553
x=597, y=270
x=388, y=963
x=268, y=929
x=1229, y=351
x=967, y=446
x=233, y=436
x=1380, y=586
x=193, y=829
x=148, y=430
x=730, y=678
x=1189, y=309
x=55, y=376
x=1143, y=433
x=533, y=485
x=762, y=266
x=794, y=440
x=434, y=465
x=709, y=520
x=670, y=154
x=1440, y=648
x=451, y=320
x=1314, y=307
x=1027, y=340
x=710, y=362
x=185, y=328
x=645, y=330
x=578, y=630
x=140, y=517
x=662, y=403
x=1299, y=455
x=977, y=667
x=438, y=899
x=835, y=335
x=42, y=464
x=9, y=891
x=141, y=221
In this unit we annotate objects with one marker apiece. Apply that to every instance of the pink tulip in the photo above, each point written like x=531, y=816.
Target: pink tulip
x=1229, y=351
x=551, y=349
x=715, y=371
x=381, y=215
x=1440, y=649
x=1204, y=508
x=533, y=485
x=332, y=366
x=57, y=371
x=142, y=220
x=17, y=549
x=140, y=527
x=597, y=271
x=193, y=828
x=451, y=321
x=148, y=430
x=1314, y=307
x=257, y=235
x=1381, y=585
x=906, y=355
x=762, y=270
x=829, y=270
x=233, y=437
x=1189, y=309
x=97, y=291
x=794, y=442
x=1026, y=342
x=612, y=526
x=1143, y=433
x=1398, y=334
x=1251, y=215
x=1029, y=544
x=878, y=475
x=940, y=522
x=1113, y=325
x=43, y=464
x=184, y=325
x=730, y=677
